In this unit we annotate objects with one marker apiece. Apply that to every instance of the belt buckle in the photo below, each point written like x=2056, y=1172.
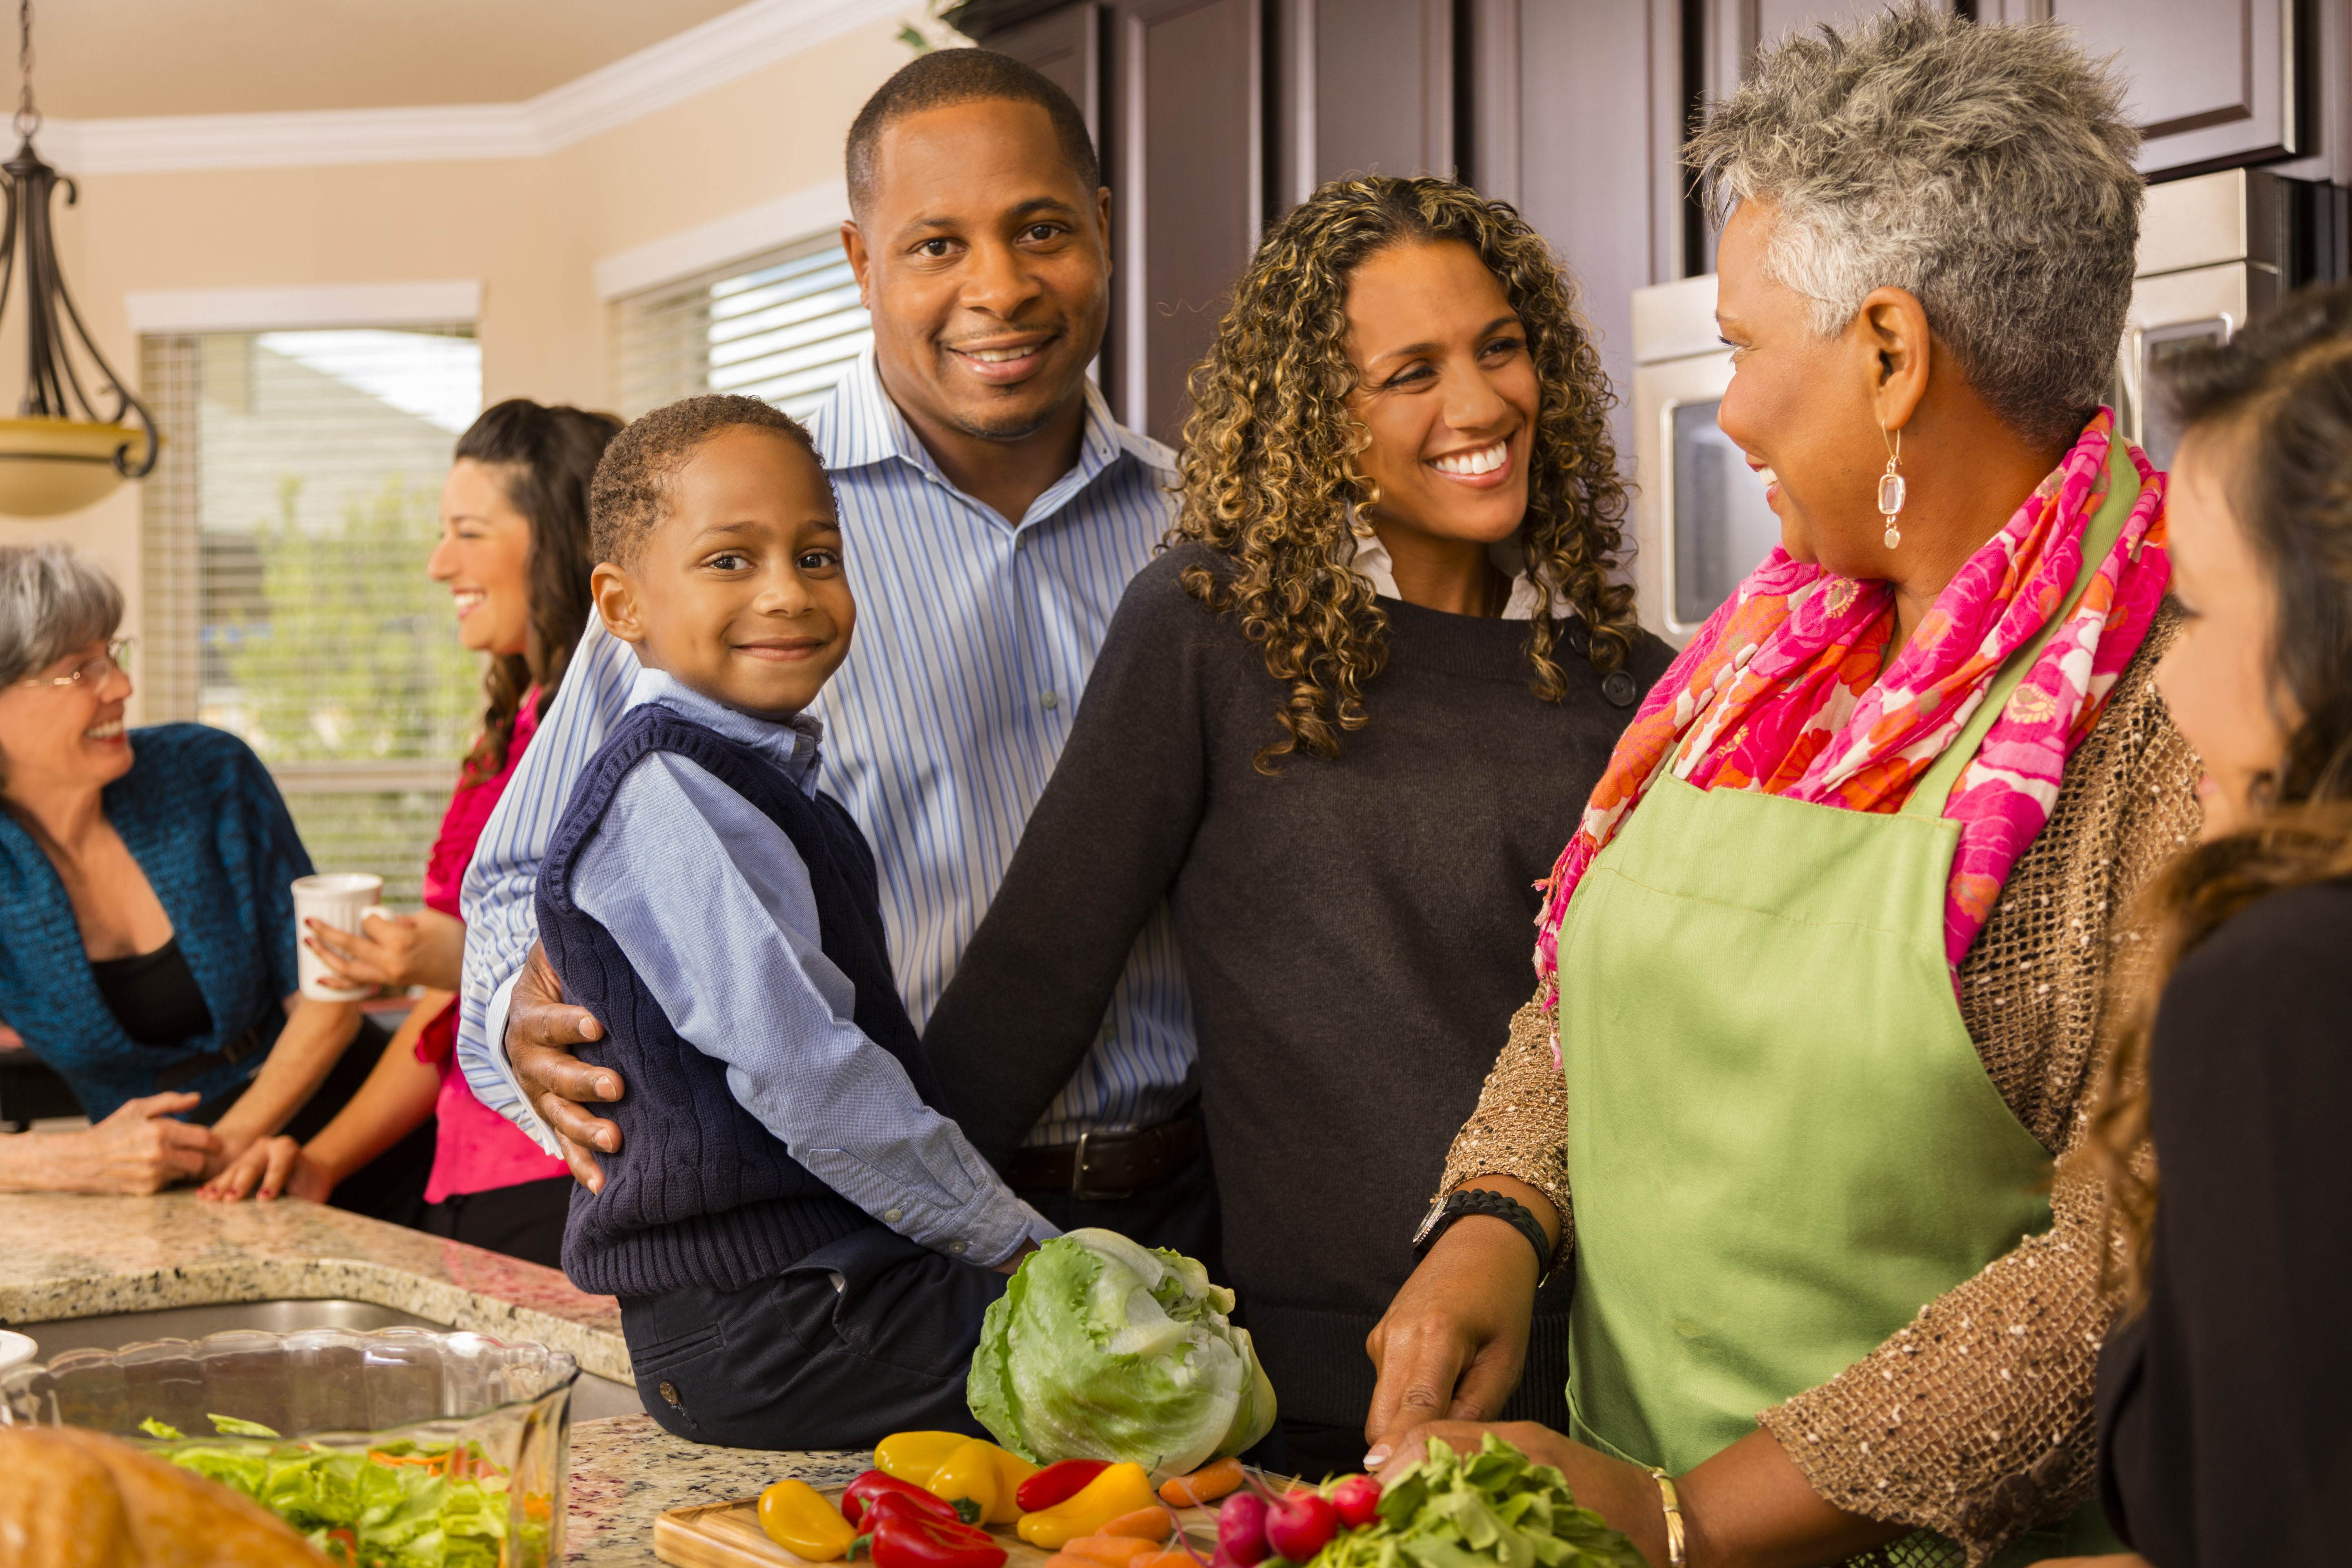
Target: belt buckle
x=1078, y=1188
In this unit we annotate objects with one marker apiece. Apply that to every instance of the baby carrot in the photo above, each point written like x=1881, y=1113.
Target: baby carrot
x=1165, y=1560
x=1153, y=1524
x=1065, y=1560
x=1108, y=1551
x=1206, y=1484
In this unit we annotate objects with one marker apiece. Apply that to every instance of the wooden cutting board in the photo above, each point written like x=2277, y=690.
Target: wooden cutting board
x=728, y=1535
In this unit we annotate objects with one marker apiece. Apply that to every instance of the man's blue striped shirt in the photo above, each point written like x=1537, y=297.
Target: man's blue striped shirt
x=974, y=639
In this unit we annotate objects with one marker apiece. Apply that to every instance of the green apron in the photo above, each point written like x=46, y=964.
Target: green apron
x=1781, y=1141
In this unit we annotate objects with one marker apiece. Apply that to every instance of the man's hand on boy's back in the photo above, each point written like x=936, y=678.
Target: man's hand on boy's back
x=542, y=1031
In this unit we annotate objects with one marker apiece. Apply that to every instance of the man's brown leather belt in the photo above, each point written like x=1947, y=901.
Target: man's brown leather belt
x=1107, y=1164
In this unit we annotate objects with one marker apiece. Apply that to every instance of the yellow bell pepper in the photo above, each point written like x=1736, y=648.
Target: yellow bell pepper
x=797, y=1517
x=1122, y=1489
x=1012, y=1469
x=915, y=1457
x=970, y=1479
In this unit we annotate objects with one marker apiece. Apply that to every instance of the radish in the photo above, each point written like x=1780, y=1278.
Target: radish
x=1241, y=1531
x=1356, y=1500
x=1301, y=1524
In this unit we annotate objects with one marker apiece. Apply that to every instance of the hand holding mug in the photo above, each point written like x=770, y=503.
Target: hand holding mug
x=427, y=948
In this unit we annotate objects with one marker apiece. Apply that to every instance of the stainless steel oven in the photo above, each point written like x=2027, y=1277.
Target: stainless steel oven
x=2213, y=251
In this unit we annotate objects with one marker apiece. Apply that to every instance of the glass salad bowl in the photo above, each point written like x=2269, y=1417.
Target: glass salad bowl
x=433, y=1450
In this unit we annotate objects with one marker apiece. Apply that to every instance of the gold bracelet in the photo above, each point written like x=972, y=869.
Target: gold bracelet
x=1672, y=1503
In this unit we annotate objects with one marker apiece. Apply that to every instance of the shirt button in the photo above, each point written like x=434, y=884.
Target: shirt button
x=955, y=1247
x=1619, y=688
x=892, y=1215
x=1050, y=699
x=1021, y=541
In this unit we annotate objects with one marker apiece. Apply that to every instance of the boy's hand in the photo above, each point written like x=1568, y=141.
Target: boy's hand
x=541, y=1031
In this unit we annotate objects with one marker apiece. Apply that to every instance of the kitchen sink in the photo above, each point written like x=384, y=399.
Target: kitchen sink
x=591, y=1398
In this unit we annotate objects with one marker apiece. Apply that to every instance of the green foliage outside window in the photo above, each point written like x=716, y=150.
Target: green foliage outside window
x=357, y=659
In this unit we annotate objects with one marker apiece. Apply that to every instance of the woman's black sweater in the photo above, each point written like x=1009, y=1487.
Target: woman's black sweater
x=1356, y=933
x=2225, y=1409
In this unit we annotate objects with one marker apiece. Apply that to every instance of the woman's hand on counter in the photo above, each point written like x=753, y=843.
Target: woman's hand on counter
x=138, y=1149
x=1452, y=1344
x=427, y=948
x=542, y=1032
x=269, y=1167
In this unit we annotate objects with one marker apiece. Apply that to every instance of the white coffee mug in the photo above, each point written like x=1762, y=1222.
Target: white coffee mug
x=341, y=900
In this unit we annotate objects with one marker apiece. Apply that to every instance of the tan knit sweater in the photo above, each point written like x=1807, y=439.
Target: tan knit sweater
x=1974, y=1420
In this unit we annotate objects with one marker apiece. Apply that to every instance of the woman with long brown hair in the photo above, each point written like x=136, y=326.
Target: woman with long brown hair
x=1331, y=728
x=514, y=551
x=2222, y=1393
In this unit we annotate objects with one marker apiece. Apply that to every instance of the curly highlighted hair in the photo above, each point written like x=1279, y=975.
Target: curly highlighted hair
x=1269, y=451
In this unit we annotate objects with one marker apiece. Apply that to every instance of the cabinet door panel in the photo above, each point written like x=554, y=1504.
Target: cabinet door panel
x=1190, y=162
x=2212, y=81
x=1384, y=87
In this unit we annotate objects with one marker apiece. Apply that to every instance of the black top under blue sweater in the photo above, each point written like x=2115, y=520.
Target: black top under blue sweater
x=700, y=1192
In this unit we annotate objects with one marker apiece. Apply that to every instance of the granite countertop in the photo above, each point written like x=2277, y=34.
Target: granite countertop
x=73, y=1255
x=80, y=1257
x=627, y=1470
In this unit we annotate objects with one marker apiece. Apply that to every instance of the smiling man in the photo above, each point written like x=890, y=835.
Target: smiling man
x=992, y=512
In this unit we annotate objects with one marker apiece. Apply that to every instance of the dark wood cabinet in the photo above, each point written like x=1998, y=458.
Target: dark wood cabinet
x=2214, y=84
x=1185, y=142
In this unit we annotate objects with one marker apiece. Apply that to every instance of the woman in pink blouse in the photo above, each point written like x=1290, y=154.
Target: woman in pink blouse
x=514, y=550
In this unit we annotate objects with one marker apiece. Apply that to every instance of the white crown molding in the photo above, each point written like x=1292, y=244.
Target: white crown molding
x=726, y=49
x=287, y=308
x=722, y=240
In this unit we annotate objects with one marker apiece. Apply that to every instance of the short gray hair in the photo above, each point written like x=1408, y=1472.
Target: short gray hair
x=1988, y=169
x=52, y=601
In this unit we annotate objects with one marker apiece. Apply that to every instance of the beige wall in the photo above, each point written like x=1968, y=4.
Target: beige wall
x=530, y=229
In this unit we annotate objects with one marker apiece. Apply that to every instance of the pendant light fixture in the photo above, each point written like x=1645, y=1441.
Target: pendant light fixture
x=61, y=452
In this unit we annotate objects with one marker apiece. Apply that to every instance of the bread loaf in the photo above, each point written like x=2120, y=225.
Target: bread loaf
x=76, y=1499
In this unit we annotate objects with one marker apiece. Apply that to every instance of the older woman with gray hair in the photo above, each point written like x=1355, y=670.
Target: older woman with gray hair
x=1823, y=973
x=148, y=952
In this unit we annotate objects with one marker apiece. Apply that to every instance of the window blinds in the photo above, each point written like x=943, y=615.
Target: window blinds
x=286, y=530
x=783, y=326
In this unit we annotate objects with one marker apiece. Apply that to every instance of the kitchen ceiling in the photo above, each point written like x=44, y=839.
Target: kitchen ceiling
x=103, y=59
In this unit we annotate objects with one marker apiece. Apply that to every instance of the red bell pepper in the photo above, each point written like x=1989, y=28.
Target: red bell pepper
x=902, y=1539
x=863, y=1492
x=1058, y=1483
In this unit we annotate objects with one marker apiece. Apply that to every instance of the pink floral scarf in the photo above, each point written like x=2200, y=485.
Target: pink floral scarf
x=1781, y=690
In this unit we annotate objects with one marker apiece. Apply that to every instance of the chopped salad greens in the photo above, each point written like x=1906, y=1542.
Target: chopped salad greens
x=400, y=1505
x=1493, y=1509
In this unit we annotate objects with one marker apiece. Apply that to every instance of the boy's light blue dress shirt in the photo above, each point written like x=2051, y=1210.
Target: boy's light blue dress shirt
x=712, y=906
x=975, y=635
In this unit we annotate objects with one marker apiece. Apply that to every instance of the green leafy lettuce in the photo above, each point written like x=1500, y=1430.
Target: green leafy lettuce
x=402, y=1505
x=1493, y=1509
x=1101, y=1349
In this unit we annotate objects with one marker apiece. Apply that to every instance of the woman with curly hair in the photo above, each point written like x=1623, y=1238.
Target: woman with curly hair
x=2221, y=1394
x=1823, y=974
x=1337, y=728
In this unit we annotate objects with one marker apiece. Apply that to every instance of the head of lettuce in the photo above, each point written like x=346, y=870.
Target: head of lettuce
x=1101, y=1349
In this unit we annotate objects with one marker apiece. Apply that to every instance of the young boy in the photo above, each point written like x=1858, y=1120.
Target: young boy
x=801, y=1245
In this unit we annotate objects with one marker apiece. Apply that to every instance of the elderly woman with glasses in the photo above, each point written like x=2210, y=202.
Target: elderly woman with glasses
x=1824, y=970
x=148, y=952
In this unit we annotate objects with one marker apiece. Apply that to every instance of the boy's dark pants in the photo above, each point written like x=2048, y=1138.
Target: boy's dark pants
x=793, y=1362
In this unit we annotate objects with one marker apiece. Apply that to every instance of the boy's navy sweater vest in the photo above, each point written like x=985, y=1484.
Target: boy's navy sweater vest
x=700, y=1194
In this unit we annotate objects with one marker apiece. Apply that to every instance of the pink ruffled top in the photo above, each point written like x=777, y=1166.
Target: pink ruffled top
x=477, y=1150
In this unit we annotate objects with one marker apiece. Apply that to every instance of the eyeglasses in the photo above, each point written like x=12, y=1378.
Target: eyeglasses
x=116, y=657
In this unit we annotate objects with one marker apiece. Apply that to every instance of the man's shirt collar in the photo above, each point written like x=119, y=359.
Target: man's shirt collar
x=858, y=427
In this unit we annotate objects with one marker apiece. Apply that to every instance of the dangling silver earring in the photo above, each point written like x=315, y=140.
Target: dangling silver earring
x=1359, y=518
x=1892, y=490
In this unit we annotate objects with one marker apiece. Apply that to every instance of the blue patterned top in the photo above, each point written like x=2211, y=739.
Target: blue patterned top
x=198, y=812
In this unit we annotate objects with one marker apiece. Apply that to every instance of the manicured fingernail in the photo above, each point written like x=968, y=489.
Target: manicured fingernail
x=1375, y=1457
